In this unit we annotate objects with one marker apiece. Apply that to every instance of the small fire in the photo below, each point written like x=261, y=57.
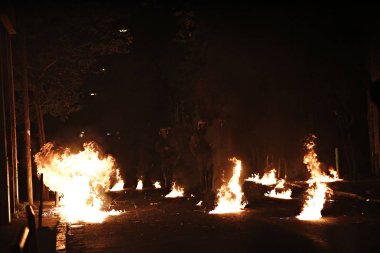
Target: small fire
x=279, y=192
x=80, y=178
x=157, y=185
x=318, y=189
x=119, y=184
x=139, y=186
x=269, y=178
x=176, y=192
x=230, y=196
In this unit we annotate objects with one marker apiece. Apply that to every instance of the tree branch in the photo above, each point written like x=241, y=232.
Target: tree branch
x=46, y=68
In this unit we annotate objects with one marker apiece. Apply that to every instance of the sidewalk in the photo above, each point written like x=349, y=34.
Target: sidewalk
x=47, y=235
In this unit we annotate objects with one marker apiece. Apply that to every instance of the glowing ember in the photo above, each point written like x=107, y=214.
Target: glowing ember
x=139, y=185
x=230, y=196
x=318, y=189
x=279, y=191
x=269, y=178
x=157, y=185
x=80, y=178
x=199, y=203
x=119, y=184
x=176, y=192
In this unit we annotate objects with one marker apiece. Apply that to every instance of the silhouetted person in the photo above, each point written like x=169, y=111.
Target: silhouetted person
x=167, y=147
x=221, y=141
x=201, y=149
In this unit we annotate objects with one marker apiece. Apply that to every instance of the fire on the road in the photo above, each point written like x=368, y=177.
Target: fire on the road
x=176, y=192
x=139, y=186
x=157, y=185
x=230, y=196
x=80, y=178
x=269, y=178
x=279, y=191
x=318, y=189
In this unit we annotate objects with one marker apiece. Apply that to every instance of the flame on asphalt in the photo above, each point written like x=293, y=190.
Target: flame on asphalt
x=176, y=192
x=269, y=178
x=139, y=186
x=80, y=178
x=230, y=195
x=318, y=190
x=279, y=191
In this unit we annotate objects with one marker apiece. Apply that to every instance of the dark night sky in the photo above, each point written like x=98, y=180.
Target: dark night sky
x=274, y=75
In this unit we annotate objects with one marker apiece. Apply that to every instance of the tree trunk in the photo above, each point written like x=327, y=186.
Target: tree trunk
x=12, y=113
x=28, y=155
x=373, y=125
x=373, y=110
x=41, y=134
x=5, y=211
x=40, y=122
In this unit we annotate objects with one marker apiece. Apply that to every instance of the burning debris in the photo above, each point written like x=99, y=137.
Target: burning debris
x=269, y=178
x=279, y=191
x=230, y=196
x=157, y=185
x=176, y=192
x=80, y=179
x=318, y=189
x=139, y=186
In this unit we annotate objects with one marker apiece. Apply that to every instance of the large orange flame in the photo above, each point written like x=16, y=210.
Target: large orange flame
x=318, y=189
x=80, y=178
x=230, y=196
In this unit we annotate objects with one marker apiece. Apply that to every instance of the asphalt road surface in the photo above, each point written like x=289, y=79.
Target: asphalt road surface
x=151, y=223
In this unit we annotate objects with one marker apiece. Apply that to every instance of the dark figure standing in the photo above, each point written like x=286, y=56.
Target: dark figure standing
x=201, y=149
x=167, y=147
